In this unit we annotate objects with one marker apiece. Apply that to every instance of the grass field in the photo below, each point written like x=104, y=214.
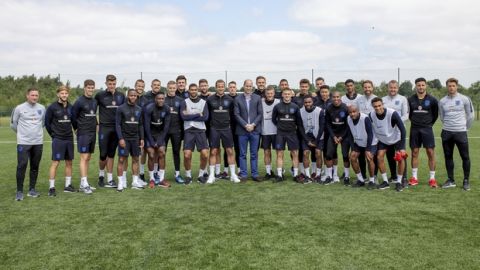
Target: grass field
x=242, y=226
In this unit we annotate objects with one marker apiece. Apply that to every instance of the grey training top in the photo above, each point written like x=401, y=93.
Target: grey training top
x=28, y=121
x=456, y=112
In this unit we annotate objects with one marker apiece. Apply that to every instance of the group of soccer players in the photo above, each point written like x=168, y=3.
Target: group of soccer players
x=140, y=125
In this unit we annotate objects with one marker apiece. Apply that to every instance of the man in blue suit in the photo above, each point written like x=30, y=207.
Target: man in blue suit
x=248, y=113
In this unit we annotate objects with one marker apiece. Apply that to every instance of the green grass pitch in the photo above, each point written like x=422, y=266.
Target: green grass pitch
x=240, y=226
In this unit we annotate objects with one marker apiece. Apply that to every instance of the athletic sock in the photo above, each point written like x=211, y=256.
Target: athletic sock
x=217, y=168
x=432, y=174
x=414, y=173
x=307, y=172
x=161, y=174
x=314, y=166
x=268, y=168
x=295, y=172
x=225, y=170
x=142, y=168
x=346, y=171
x=279, y=171
x=360, y=177
x=319, y=172
x=134, y=179
x=301, y=167
x=384, y=177
x=101, y=173
x=52, y=183
x=232, y=169
x=212, y=170
x=188, y=173
x=150, y=173
x=329, y=171
x=201, y=172
x=68, y=181
x=124, y=175
x=335, y=171
x=83, y=181
x=109, y=177
x=155, y=167
x=399, y=178
x=177, y=173
x=372, y=179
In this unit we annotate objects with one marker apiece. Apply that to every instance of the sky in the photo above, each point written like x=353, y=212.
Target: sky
x=338, y=40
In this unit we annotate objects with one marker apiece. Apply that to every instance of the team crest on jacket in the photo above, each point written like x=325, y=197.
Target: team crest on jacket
x=397, y=102
x=292, y=110
x=39, y=112
x=342, y=114
x=91, y=111
x=163, y=114
x=137, y=113
x=177, y=104
x=457, y=102
x=427, y=103
x=225, y=103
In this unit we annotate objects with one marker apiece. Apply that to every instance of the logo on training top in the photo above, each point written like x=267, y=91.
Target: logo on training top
x=65, y=117
x=158, y=120
x=171, y=109
x=220, y=108
x=420, y=108
x=113, y=102
x=427, y=103
x=39, y=112
x=137, y=113
x=287, y=116
x=457, y=102
x=132, y=119
x=342, y=114
x=397, y=102
x=162, y=114
x=337, y=119
x=225, y=103
x=91, y=111
x=292, y=110
x=177, y=104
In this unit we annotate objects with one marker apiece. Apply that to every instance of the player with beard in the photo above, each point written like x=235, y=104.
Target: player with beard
x=181, y=87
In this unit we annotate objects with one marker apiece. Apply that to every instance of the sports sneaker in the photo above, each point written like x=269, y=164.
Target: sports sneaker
x=317, y=179
x=449, y=184
x=466, y=185
x=313, y=175
x=179, y=179
x=164, y=184
x=142, y=177
x=269, y=176
x=202, y=179
x=413, y=181
x=336, y=179
x=223, y=176
x=307, y=180
x=398, y=187
x=211, y=179
x=234, y=178
x=156, y=177
x=101, y=181
x=136, y=185
x=19, y=196
x=141, y=182
x=111, y=184
x=358, y=184
x=328, y=181
x=433, y=183
x=151, y=184
x=69, y=188
x=278, y=179
x=346, y=181
x=371, y=185
x=86, y=189
x=124, y=182
x=92, y=188
x=120, y=186
x=384, y=185
x=33, y=193
x=188, y=180
x=51, y=192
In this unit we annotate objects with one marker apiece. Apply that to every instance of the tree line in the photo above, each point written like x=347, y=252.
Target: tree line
x=13, y=89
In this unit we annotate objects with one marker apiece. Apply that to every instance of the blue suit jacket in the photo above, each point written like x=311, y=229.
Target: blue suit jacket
x=256, y=114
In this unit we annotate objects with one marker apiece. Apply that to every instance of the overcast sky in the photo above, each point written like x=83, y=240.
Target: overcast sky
x=280, y=39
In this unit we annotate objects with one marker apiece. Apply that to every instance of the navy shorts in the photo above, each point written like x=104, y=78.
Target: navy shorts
x=107, y=142
x=268, y=141
x=422, y=136
x=62, y=149
x=196, y=138
x=360, y=149
x=290, y=140
x=132, y=148
x=155, y=139
x=382, y=146
x=225, y=135
x=86, y=143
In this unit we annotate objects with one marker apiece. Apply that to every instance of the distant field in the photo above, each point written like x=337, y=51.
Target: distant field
x=243, y=226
